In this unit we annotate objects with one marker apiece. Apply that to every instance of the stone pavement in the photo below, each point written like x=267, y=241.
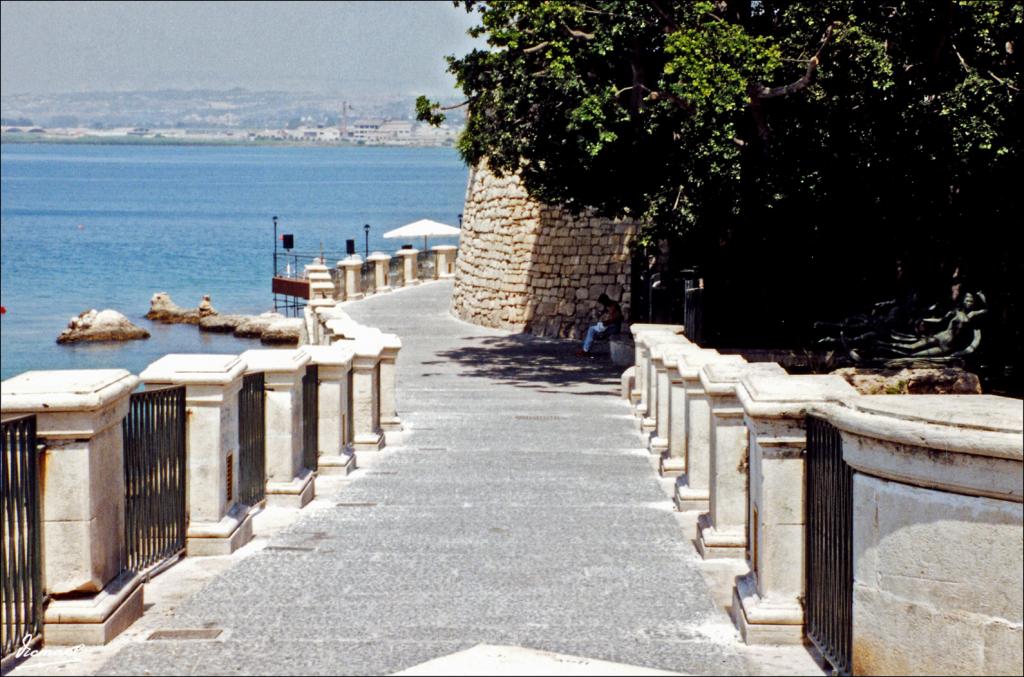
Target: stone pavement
x=517, y=509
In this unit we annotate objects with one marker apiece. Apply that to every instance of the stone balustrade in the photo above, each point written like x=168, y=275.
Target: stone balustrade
x=444, y=261
x=410, y=269
x=381, y=263
x=82, y=486
x=936, y=489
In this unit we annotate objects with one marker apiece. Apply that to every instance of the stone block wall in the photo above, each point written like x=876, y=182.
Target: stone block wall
x=525, y=266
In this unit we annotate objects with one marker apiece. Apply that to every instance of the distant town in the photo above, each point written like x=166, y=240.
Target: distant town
x=210, y=117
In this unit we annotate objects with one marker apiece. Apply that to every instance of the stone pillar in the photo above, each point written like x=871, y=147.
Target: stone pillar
x=767, y=604
x=366, y=393
x=693, y=488
x=410, y=269
x=218, y=524
x=389, y=420
x=321, y=286
x=938, y=531
x=381, y=262
x=334, y=431
x=722, y=531
x=352, y=267
x=638, y=330
x=289, y=483
x=649, y=396
x=664, y=359
x=444, y=261
x=82, y=499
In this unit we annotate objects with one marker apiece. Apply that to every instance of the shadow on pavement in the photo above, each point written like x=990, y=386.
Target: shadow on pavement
x=546, y=365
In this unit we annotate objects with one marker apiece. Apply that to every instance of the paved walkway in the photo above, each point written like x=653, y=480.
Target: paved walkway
x=518, y=510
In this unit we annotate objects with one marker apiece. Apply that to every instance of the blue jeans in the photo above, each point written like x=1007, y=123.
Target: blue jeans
x=598, y=331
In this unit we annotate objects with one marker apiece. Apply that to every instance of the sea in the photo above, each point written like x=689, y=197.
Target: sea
x=86, y=227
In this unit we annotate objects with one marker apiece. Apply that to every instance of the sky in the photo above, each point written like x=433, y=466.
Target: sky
x=376, y=48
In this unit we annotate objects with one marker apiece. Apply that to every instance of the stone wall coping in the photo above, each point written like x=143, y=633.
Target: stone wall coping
x=391, y=341
x=354, y=260
x=721, y=377
x=789, y=396
x=65, y=390
x=979, y=425
x=690, y=364
x=444, y=248
x=378, y=256
x=640, y=327
x=317, y=268
x=367, y=346
x=330, y=356
x=205, y=369
x=275, y=361
x=407, y=252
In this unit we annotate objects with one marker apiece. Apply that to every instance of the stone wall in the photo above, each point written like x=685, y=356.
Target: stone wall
x=524, y=266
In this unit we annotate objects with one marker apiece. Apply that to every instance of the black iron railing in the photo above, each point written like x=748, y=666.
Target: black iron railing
x=368, y=277
x=310, y=416
x=23, y=593
x=829, y=543
x=425, y=265
x=154, y=477
x=694, y=314
x=252, y=448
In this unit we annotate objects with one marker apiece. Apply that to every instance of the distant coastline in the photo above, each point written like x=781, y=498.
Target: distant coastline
x=110, y=140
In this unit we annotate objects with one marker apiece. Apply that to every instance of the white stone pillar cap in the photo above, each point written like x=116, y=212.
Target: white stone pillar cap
x=334, y=355
x=64, y=390
x=407, y=252
x=980, y=425
x=691, y=363
x=391, y=341
x=790, y=396
x=444, y=248
x=378, y=256
x=722, y=377
x=334, y=312
x=367, y=346
x=316, y=267
x=652, y=339
x=662, y=349
x=275, y=361
x=203, y=369
x=350, y=261
x=673, y=352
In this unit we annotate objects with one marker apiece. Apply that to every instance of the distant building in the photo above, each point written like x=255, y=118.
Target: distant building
x=365, y=131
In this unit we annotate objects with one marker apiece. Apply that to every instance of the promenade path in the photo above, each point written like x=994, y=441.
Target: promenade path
x=518, y=508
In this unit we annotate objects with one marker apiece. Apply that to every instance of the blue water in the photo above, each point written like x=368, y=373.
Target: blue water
x=107, y=226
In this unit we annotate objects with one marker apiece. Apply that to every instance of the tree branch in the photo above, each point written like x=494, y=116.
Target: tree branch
x=535, y=48
x=579, y=34
x=760, y=91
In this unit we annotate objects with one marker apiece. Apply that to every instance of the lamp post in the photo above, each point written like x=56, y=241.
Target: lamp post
x=366, y=231
x=275, y=246
x=460, y=220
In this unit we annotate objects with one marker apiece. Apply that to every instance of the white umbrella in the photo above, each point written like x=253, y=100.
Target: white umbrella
x=423, y=228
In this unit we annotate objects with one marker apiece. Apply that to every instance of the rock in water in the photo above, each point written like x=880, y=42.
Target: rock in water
x=103, y=325
x=222, y=324
x=933, y=381
x=253, y=327
x=163, y=309
x=288, y=331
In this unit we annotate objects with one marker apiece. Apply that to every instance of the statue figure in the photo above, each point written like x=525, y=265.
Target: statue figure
x=894, y=333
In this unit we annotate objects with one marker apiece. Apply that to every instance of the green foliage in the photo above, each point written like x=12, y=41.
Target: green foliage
x=829, y=137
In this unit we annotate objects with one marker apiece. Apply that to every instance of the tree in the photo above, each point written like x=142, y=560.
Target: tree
x=794, y=150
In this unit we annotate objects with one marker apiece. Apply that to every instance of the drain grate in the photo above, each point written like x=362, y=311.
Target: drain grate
x=187, y=635
x=356, y=504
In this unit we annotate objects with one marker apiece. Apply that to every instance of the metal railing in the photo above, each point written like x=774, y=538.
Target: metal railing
x=395, y=271
x=23, y=594
x=154, y=477
x=368, y=277
x=310, y=416
x=693, y=320
x=829, y=542
x=425, y=265
x=252, y=449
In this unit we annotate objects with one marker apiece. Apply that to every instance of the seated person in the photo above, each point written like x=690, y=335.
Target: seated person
x=610, y=323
